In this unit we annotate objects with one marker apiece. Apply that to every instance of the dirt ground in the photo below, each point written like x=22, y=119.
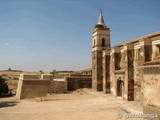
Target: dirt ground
x=77, y=105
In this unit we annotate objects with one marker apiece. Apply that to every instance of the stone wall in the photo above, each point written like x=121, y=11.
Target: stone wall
x=31, y=86
x=123, y=63
x=97, y=80
x=129, y=72
x=114, y=65
x=130, y=57
x=112, y=73
x=106, y=71
x=151, y=90
x=138, y=74
x=142, y=54
x=74, y=83
x=58, y=86
x=94, y=82
x=122, y=71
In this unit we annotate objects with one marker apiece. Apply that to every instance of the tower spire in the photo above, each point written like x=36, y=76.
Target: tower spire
x=101, y=20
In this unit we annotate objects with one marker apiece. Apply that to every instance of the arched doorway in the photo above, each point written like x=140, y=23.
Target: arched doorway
x=119, y=87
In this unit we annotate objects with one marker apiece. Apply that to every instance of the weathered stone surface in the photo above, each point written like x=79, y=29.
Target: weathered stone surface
x=29, y=76
x=58, y=86
x=74, y=83
x=47, y=76
x=138, y=73
x=151, y=91
x=97, y=70
x=106, y=73
x=112, y=75
x=121, y=69
x=100, y=43
x=31, y=88
x=130, y=75
x=117, y=61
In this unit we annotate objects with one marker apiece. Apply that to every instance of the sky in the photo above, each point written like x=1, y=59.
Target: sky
x=57, y=34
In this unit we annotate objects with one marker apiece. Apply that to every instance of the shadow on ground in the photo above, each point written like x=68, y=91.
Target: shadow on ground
x=8, y=104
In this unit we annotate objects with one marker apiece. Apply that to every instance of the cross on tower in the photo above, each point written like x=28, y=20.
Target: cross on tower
x=101, y=11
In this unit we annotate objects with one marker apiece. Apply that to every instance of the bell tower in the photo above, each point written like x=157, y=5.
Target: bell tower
x=100, y=46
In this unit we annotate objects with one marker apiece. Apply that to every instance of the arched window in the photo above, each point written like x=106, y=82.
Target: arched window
x=103, y=42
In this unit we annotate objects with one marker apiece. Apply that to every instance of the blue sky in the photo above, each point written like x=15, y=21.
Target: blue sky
x=56, y=34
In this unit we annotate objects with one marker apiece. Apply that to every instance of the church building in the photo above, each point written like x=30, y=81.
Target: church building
x=130, y=70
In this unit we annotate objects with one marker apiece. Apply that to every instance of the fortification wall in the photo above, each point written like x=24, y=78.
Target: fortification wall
x=58, y=86
x=32, y=85
x=74, y=83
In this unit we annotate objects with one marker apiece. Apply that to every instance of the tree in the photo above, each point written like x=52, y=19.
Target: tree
x=9, y=69
x=3, y=86
x=41, y=72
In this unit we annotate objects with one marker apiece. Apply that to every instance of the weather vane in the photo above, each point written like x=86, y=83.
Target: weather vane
x=101, y=11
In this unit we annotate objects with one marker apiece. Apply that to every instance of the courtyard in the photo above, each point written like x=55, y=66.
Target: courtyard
x=83, y=104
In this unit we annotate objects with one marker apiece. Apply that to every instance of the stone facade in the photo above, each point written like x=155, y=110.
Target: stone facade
x=120, y=69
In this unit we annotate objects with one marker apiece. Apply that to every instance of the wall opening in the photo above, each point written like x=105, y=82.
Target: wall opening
x=103, y=42
x=117, y=61
x=119, y=87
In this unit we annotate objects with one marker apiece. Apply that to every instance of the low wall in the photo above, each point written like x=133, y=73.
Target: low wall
x=58, y=86
x=151, y=90
x=77, y=75
x=74, y=83
x=31, y=86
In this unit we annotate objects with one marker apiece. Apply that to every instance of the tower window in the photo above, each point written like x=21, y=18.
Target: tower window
x=103, y=42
